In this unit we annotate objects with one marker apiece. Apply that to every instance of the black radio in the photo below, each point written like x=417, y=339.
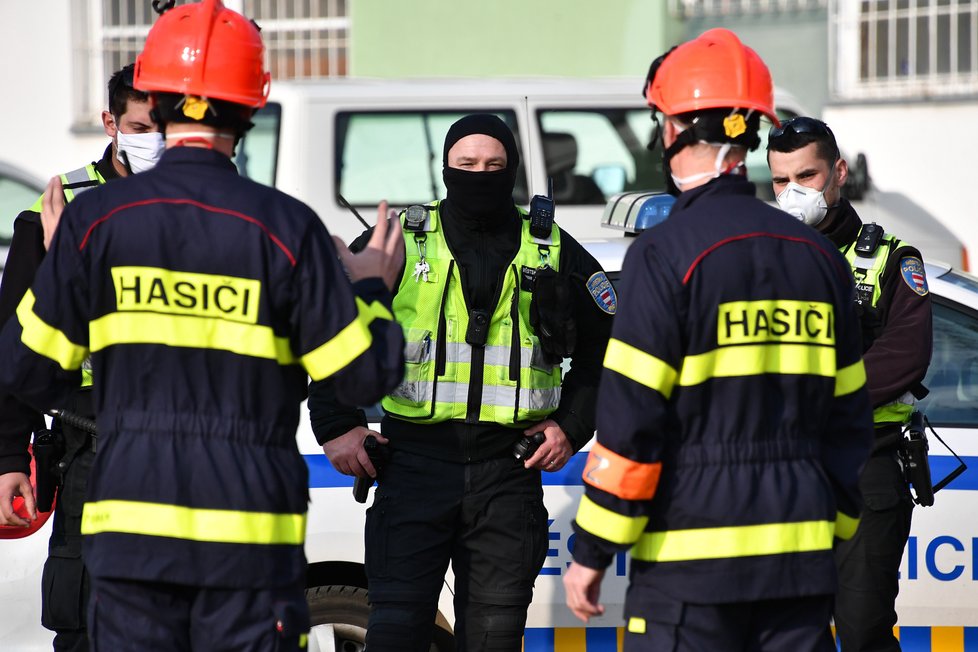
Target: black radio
x=542, y=213
x=378, y=457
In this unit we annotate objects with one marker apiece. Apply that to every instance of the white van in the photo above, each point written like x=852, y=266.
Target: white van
x=370, y=139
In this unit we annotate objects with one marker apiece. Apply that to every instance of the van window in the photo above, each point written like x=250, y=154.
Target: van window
x=257, y=154
x=397, y=156
x=15, y=196
x=592, y=154
x=952, y=377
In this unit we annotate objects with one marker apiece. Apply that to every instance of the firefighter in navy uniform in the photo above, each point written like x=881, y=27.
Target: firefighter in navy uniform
x=735, y=417
x=487, y=322
x=808, y=173
x=136, y=145
x=204, y=299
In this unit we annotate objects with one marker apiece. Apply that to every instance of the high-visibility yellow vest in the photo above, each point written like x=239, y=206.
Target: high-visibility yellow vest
x=866, y=272
x=73, y=183
x=518, y=384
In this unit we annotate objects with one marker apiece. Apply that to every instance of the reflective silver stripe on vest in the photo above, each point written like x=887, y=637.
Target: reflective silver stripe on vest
x=549, y=240
x=864, y=263
x=417, y=351
x=492, y=395
x=495, y=355
x=80, y=175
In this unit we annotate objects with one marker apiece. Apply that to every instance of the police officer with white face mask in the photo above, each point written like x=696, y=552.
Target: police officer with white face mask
x=136, y=146
x=808, y=174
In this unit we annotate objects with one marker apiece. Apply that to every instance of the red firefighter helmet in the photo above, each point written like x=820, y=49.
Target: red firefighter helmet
x=16, y=532
x=712, y=71
x=206, y=50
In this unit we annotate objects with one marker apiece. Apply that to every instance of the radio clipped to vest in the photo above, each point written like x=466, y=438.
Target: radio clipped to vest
x=542, y=211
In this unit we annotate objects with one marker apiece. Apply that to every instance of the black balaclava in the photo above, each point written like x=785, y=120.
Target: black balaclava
x=480, y=198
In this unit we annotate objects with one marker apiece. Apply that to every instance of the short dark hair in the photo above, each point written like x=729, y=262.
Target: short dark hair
x=801, y=131
x=220, y=114
x=121, y=91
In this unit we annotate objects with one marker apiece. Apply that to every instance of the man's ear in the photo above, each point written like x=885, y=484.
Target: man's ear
x=669, y=132
x=841, y=172
x=108, y=122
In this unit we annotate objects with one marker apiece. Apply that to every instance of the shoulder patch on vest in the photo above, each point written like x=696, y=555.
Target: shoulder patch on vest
x=912, y=269
x=603, y=292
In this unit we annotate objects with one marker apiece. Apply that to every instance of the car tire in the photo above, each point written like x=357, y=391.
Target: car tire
x=338, y=615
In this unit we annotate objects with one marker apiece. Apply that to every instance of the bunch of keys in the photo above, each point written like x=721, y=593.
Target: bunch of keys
x=421, y=269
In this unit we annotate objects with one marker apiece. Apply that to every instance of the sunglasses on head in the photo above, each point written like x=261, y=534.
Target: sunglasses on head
x=801, y=125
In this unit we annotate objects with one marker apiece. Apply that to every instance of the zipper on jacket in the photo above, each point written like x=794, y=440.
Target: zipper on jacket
x=515, y=341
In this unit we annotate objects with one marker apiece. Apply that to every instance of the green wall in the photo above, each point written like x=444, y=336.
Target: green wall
x=468, y=38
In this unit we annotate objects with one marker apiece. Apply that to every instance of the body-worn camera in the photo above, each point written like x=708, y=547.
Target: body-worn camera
x=527, y=446
x=869, y=239
x=378, y=457
x=478, y=330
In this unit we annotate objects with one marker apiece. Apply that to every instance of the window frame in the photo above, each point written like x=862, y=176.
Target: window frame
x=855, y=45
x=972, y=314
x=104, y=48
x=341, y=120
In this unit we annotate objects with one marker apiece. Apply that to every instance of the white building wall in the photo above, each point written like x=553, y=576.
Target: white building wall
x=925, y=150
x=36, y=111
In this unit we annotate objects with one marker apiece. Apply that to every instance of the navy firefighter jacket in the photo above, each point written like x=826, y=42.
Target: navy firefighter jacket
x=733, y=418
x=204, y=299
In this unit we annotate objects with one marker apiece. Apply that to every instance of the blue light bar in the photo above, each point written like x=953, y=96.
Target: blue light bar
x=634, y=212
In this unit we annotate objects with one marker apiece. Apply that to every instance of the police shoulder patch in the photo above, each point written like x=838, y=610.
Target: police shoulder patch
x=603, y=292
x=912, y=269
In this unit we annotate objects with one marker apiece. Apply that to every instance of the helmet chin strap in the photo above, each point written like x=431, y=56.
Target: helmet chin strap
x=718, y=168
x=203, y=138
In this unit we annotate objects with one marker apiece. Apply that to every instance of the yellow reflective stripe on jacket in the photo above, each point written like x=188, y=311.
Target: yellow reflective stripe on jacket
x=845, y=525
x=609, y=525
x=326, y=359
x=372, y=311
x=734, y=541
x=193, y=524
x=640, y=366
x=849, y=379
x=757, y=359
x=189, y=331
x=46, y=340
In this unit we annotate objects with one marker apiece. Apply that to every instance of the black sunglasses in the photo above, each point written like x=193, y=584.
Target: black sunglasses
x=801, y=125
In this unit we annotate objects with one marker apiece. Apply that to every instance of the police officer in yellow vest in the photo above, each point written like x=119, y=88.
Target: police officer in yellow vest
x=489, y=310
x=808, y=173
x=136, y=145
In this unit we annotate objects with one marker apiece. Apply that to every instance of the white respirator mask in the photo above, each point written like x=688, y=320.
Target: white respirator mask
x=805, y=204
x=139, y=152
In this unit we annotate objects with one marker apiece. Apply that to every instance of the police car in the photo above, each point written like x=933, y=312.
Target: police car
x=939, y=576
